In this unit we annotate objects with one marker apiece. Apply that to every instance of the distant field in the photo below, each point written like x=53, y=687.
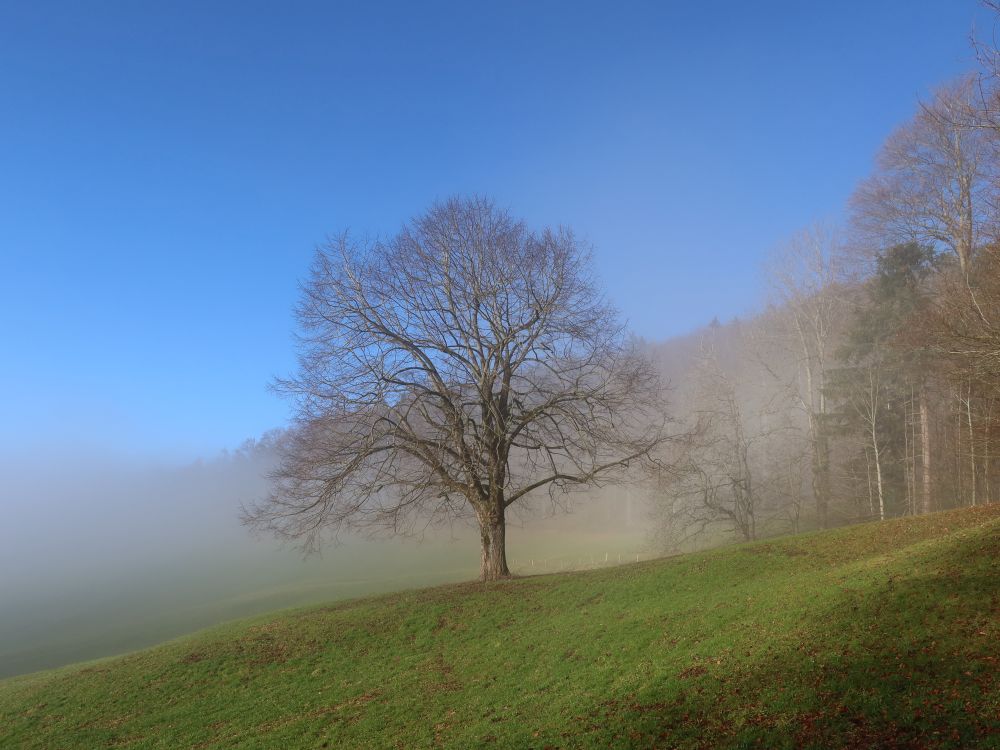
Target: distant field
x=882, y=635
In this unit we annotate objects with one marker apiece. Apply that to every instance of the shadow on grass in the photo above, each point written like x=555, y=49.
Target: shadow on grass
x=907, y=659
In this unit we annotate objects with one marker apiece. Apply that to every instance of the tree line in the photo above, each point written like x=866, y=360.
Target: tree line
x=868, y=388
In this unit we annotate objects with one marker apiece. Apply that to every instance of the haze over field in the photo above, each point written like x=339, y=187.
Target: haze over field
x=136, y=554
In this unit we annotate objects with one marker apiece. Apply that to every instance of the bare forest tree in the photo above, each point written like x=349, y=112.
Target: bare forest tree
x=963, y=332
x=966, y=319
x=806, y=280
x=453, y=371
x=986, y=112
x=867, y=401
x=936, y=185
x=733, y=469
x=933, y=182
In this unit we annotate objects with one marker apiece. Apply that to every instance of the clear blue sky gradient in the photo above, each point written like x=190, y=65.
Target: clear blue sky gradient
x=166, y=170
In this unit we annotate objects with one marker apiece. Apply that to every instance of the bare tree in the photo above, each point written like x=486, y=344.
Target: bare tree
x=932, y=184
x=807, y=287
x=986, y=114
x=729, y=469
x=965, y=319
x=452, y=371
x=867, y=402
x=963, y=329
x=935, y=184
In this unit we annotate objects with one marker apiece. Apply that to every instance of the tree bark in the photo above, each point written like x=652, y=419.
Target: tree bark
x=821, y=476
x=925, y=453
x=493, y=532
x=972, y=446
x=878, y=477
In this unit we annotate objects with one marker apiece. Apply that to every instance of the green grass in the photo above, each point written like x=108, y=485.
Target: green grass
x=882, y=635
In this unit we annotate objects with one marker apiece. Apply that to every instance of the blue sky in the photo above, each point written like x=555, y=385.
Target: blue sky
x=166, y=170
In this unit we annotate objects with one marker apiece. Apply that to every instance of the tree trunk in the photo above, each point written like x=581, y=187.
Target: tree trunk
x=987, y=453
x=909, y=457
x=821, y=476
x=972, y=446
x=925, y=454
x=493, y=531
x=871, y=493
x=878, y=478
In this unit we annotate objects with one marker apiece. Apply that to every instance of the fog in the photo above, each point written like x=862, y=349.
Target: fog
x=101, y=556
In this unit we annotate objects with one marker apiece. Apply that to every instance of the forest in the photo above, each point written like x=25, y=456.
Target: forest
x=868, y=386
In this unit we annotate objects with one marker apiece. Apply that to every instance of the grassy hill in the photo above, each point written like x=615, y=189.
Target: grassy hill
x=882, y=635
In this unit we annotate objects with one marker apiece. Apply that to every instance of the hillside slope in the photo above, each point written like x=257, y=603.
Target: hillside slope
x=882, y=635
